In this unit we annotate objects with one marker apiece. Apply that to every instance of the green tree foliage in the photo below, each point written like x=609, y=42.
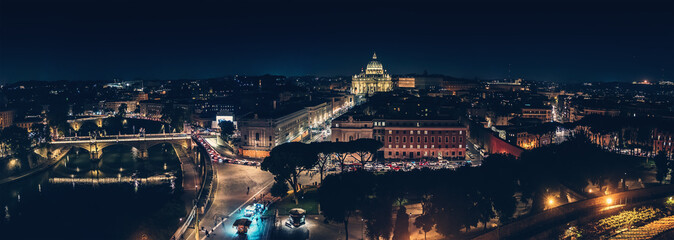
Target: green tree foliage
x=287, y=161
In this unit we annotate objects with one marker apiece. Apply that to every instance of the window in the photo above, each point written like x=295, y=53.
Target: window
x=453, y=139
x=432, y=139
x=397, y=153
x=418, y=154
x=397, y=139
x=389, y=153
x=411, y=139
x=418, y=139
x=411, y=132
x=446, y=139
x=425, y=139
x=460, y=139
x=440, y=139
x=460, y=153
x=389, y=139
x=404, y=139
x=390, y=132
x=425, y=132
x=453, y=153
x=257, y=136
x=350, y=138
x=270, y=138
x=397, y=132
x=245, y=137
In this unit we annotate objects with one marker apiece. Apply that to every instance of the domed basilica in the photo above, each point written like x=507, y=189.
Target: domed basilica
x=373, y=79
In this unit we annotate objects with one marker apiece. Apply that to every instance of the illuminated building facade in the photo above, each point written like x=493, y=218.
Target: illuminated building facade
x=373, y=79
x=6, y=118
x=406, y=82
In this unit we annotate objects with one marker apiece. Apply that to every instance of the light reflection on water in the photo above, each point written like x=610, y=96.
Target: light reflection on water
x=93, y=208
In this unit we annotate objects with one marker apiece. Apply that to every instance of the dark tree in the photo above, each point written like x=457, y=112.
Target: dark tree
x=226, y=130
x=365, y=149
x=324, y=152
x=287, y=161
x=425, y=222
x=661, y=166
x=88, y=128
x=341, y=151
x=401, y=230
x=279, y=189
x=341, y=195
x=15, y=140
x=57, y=116
x=121, y=110
x=113, y=125
x=175, y=116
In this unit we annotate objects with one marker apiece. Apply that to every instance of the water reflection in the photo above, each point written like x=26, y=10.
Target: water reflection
x=110, y=198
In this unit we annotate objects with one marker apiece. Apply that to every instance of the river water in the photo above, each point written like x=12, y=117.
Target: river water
x=117, y=197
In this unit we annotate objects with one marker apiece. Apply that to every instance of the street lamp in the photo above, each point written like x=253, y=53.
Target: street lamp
x=609, y=201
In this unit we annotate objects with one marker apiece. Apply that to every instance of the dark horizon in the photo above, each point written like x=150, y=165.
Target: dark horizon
x=579, y=41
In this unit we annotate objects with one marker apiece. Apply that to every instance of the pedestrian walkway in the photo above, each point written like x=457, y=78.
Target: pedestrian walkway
x=191, y=180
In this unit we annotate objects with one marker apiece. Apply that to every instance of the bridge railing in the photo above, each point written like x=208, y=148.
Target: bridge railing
x=122, y=136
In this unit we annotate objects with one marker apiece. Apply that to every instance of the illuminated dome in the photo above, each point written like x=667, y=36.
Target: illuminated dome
x=374, y=67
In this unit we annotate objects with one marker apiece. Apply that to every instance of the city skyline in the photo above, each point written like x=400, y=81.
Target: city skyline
x=557, y=41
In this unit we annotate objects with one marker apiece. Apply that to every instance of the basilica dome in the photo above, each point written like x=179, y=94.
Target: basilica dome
x=374, y=67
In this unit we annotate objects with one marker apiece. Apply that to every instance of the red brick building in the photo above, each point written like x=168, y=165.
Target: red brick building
x=662, y=141
x=416, y=139
x=407, y=139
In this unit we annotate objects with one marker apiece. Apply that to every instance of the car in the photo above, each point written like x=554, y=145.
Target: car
x=249, y=211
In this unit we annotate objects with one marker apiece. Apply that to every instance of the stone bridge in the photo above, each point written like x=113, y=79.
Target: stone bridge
x=95, y=145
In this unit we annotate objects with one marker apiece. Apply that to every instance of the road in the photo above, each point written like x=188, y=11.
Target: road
x=230, y=195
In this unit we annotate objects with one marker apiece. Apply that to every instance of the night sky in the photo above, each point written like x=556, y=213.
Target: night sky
x=568, y=41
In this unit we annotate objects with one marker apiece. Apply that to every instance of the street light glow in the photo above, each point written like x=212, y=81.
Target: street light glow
x=609, y=201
